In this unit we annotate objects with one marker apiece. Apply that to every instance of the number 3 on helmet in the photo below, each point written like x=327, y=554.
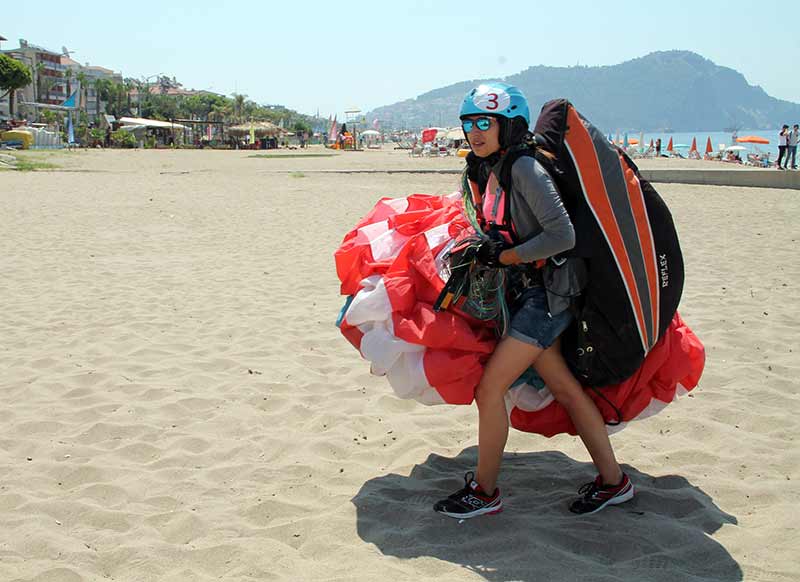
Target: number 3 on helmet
x=500, y=99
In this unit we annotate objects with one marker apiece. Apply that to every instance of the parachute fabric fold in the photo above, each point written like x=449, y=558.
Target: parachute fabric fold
x=390, y=265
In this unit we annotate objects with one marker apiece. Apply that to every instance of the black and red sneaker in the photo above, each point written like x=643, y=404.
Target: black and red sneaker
x=471, y=501
x=596, y=496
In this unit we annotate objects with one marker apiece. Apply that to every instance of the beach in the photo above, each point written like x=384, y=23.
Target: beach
x=178, y=405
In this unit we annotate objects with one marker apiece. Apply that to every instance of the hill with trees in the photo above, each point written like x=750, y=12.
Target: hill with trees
x=674, y=90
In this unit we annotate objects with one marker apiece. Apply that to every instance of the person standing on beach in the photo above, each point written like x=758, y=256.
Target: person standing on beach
x=658, y=147
x=791, y=146
x=783, y=140
x=495, y=118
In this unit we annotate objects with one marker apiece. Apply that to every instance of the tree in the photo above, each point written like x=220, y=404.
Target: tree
x=37, y=81
x=300, y=127
x=238, y=106
x=13, y=75
x=83, y=81
x=116, y=95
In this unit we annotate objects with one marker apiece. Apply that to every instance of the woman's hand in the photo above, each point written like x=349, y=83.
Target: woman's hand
x=489, y=253
x=509, y=257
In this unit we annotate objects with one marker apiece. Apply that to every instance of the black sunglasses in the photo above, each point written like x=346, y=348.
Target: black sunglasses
x=482, y=123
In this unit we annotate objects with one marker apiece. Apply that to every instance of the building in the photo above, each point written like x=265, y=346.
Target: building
x=55, y=78
x=49, y=82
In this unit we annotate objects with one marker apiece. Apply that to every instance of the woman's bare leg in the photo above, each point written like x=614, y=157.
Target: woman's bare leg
x=584, y=413
x=509, y=360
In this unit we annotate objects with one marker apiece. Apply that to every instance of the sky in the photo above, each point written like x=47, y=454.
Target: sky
x=335, y=56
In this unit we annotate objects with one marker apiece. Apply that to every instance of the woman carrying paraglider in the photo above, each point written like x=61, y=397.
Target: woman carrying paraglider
x=524, y=227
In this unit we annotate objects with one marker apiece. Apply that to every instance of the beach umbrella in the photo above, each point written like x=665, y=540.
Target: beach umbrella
x=260, y=128
x=752, y=139
x=694, y=145
x=735, y=148
x=454, y=133
x=633, y=141
x=709, y=149
x=625, y=141
x=669, y=145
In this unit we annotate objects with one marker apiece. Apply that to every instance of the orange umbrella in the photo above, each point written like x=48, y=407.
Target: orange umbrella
x=694, y=145
x=709, y=149
x=752, y=139
x=669, y=145
x=633, y=141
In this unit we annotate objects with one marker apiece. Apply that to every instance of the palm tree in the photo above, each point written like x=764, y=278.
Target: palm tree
x=238, y=106
x=128, y=87
x=36, y=71
x=83, y=81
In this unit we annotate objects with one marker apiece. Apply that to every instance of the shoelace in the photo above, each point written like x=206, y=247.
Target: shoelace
x=589, y=490
x=469, y=476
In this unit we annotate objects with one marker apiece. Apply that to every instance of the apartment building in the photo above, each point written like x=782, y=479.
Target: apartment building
x=49, y=83
x=55, y=77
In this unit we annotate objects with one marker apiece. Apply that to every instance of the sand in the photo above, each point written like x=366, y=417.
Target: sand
x=177, y=404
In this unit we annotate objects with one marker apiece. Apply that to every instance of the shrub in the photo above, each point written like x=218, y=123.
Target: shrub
x=123, y=139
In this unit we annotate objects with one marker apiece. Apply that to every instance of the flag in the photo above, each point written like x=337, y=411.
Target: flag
x=334, y=131
x=70, y=129
x=375, y=123
x=252, y=133
x=208, y=132
x=71, y=102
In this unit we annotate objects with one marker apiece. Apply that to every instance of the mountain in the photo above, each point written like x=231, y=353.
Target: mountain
x=677, y=90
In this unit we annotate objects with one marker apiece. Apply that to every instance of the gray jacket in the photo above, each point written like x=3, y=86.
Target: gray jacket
x=542, y=223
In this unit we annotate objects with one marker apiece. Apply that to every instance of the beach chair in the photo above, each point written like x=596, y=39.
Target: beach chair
x=415, y=152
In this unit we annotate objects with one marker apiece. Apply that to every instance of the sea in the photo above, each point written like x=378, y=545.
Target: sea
x=682, y=141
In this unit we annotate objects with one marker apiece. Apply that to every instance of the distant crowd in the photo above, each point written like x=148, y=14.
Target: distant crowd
x=787, y=147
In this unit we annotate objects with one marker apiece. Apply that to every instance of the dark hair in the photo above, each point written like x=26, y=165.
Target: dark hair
x=512, y=131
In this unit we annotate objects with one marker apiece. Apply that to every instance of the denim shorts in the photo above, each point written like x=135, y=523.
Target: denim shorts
x=532, y=323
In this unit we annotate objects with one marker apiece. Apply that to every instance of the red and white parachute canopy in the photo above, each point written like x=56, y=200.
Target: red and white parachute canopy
x=391, y=269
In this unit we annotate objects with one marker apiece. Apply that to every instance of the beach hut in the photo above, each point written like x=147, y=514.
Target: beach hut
x=163, y=132
x=264, y=131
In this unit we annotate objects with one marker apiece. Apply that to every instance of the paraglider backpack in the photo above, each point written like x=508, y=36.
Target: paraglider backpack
x=626, y=235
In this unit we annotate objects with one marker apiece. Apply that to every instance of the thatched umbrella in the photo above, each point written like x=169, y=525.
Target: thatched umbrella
x=260, y=128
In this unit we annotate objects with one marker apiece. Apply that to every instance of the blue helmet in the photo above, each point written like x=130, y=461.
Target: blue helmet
x=497, y=99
